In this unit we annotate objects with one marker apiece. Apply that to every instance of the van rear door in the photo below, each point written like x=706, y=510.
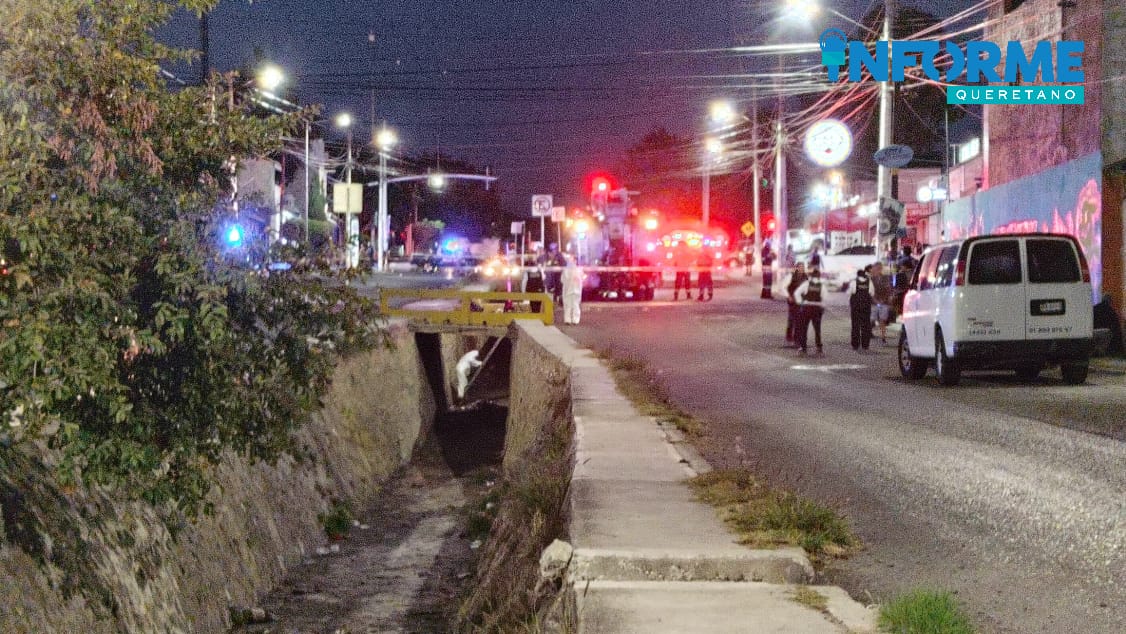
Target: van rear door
x=1058, y=304
x=993, y=292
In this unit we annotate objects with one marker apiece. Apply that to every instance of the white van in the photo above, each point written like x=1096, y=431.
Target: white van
x=1015, y=302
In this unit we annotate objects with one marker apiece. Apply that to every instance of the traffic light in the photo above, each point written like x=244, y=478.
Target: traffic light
x=600, y=185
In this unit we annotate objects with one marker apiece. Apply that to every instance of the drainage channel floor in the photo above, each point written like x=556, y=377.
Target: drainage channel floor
x=405, y=567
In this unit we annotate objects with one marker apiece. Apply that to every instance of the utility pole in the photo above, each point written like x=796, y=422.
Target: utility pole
x=781, y=210
x=885, y=186
x=780, y=186
x=757, y=174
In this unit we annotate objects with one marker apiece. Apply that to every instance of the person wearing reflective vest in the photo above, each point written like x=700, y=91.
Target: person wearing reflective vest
x=809, y=293
x=860, y=310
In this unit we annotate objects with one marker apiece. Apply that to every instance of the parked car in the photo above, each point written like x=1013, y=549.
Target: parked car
x=839, y=269
x=1015, y=302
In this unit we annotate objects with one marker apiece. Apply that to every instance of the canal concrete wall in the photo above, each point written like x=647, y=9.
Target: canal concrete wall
x=87, y=561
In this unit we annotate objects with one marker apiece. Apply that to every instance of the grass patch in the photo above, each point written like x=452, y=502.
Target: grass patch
x=765, y=517
x=924, y=612
x=810, y=598
x=636, y=382
x=337, y=521
x=479, y=522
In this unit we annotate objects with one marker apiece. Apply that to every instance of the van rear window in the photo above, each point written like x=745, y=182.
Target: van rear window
x=1052, y=262
x=995, y=262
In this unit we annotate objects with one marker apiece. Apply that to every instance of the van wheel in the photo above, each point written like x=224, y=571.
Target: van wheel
x=912, y=368
x=945, y=367
x=1074, y=373
x=1028, y=373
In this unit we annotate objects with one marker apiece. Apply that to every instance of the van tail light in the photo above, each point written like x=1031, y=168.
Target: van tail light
x=1083, y=266
x=960, y=273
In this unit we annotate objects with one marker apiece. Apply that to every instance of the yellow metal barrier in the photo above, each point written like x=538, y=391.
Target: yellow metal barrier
x=470, y=308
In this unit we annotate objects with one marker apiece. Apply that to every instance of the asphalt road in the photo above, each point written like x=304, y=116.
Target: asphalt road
x=1012, y=495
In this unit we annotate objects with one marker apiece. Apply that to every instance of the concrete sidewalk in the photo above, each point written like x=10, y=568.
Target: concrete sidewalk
x=648, y=557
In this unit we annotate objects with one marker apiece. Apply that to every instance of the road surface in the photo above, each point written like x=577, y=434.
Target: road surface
x=1012, y=495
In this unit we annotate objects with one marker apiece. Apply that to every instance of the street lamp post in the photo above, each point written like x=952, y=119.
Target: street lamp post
x=385, y=140
x=344, y=120
x=721, y=114
x=308, y=241
x=713, y=148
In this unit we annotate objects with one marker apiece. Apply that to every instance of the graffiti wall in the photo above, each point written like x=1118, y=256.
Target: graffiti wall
x=1063, y=199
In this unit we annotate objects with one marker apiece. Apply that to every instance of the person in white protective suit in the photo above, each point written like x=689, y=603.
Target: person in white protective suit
x=465, y=365
x=572, y=291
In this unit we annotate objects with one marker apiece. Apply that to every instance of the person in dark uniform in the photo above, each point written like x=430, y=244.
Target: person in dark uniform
x=793, y=313
x=811, y=310
x=683, y=275
x=534, y=282
x=704, y=280
x=767, y=271
x=860, y=310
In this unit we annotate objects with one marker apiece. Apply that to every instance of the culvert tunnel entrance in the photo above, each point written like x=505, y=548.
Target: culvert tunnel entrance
x=469, y=431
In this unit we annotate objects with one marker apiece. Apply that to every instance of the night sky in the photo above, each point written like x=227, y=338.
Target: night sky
x=543, y=92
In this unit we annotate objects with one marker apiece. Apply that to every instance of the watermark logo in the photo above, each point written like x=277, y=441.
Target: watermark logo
x=981, y=62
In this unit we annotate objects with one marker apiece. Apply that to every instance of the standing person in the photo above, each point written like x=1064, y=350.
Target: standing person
x=572, y=291
x=860, y=310
x=465, y=365
x=811, y=311
x=767, y=271
x=790, y=259
x=815, y=258
x=793, y=307
x=534, y=281
x=558, y=262
x=704, y=280
x=881, y=297
x=683, y=275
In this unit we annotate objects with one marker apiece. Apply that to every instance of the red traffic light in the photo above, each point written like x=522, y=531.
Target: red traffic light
x=770, y=224
x=600, y=184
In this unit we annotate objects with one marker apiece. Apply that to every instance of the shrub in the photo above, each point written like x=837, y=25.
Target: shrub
x=131, y=346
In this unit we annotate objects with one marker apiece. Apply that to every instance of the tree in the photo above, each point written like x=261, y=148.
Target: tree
x=661, y=166
x=133, y=346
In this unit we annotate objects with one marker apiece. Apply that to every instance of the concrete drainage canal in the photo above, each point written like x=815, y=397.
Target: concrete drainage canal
x=451, y=544
x=407, y=559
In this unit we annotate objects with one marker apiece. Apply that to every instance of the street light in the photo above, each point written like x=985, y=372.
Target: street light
x=384, y=140
x=722, y=112
x=270, y=77
x=437, y=181
x=351, y=246
x=804, y=10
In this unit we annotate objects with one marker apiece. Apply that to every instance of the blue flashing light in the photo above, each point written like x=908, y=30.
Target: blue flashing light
x=233, y=236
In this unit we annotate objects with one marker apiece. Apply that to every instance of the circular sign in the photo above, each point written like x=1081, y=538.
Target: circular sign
x=828, y=143
x=894, y=156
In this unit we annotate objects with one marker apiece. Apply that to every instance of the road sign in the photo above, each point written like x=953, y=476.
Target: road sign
x=891, y=216
x=347, y=198
x=541, y=205
x=517, y=227
x=894, y=155
x=748, y=229
x=558, y=214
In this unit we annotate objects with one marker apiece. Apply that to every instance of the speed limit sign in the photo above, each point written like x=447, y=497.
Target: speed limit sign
x=541, y=205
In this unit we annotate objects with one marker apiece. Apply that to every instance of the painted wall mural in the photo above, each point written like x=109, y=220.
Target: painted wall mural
x=1063, y=199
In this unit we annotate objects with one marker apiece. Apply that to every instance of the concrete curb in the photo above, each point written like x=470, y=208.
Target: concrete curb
x=782, y=565
x=649, y=557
